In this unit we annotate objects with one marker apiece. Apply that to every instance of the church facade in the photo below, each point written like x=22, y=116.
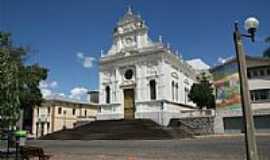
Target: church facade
x=139, y=78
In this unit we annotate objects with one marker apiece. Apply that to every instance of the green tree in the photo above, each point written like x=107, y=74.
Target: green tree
x=9, y=86
x=19, y=83
x=201, y=93
x=266, y=53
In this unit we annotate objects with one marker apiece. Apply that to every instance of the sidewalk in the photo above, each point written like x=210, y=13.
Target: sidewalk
x=229, y=135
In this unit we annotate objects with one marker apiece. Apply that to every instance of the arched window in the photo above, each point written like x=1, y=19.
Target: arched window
x=108, y=91
x=172, y=90
x=152, y=84
x=176, y=91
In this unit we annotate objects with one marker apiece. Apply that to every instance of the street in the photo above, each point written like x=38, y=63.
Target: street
x=204, y=148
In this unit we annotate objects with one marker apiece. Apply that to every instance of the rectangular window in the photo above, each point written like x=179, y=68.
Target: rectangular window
x=255, y=73
x=186, y=95
x=176, y=92
x=260, y=95
x=108, y=94
x=261, y=72
x=268, y=71
x=248, y=74
x=74, y=111
x=49, y=110
x=59, y=110
x=172, y=90
x=99, y=109
x=152, y=84
x=85, y=113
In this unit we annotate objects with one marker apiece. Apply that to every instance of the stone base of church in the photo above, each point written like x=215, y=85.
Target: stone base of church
x=162, y=118
x=160, y=111
x=110, y=116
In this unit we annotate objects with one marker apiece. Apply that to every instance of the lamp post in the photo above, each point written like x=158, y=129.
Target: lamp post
x=251, y=25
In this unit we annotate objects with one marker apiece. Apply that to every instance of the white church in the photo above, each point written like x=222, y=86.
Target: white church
x=143, y=79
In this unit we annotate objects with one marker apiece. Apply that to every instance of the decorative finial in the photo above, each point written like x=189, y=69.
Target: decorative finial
x=168, y=45
x=160, y=38
x=129, y=10
x=177, y=53
x=101, y=53
x=181, y=57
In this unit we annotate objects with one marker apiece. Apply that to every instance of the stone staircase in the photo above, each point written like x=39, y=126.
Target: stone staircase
x=139, y=129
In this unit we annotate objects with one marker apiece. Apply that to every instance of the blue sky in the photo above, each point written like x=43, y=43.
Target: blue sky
x=57, y=30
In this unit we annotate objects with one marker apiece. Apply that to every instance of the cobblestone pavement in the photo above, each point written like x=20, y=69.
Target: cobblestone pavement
x=204, y=148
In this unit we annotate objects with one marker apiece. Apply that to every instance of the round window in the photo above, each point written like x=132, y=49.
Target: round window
x=129, y=74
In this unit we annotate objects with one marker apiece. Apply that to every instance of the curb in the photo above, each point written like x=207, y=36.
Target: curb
x=229, y=135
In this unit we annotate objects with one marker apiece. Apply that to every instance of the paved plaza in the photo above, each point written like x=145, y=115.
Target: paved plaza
x=203, y=148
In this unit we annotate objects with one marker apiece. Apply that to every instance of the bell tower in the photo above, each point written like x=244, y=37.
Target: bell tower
x=130, y=33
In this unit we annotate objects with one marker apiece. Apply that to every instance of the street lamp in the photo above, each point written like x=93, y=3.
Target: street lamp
x=251, y=25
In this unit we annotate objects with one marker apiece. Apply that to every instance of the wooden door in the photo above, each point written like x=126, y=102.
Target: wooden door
x=129, y=104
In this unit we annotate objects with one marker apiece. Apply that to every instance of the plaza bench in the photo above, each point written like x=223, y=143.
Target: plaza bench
x=29, y=152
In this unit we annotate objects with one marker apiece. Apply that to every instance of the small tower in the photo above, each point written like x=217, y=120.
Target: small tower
x=130, y=33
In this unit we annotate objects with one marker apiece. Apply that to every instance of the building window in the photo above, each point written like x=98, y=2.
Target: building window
x=172, y=90
x=49, y=110
x=108, y=90
x=248, y=74
x=37, y=111
x=74, y=111
x=260, y=95
x=268, y=71
x=176, y=91
x=48, y=127
x=99, y=110
x=153, y=93
x=128, y=74
x=59, y=110
x=186, y=95
x=255, y=73
x=85, y=113
x=261, y=72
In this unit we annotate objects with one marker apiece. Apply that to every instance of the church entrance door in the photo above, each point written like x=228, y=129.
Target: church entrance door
x=129, y=106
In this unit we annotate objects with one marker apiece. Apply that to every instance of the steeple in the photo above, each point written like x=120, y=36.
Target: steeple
x=130, y=33
x=129, y=10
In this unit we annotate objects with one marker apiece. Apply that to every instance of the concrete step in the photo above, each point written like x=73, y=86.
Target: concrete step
x=139, y=129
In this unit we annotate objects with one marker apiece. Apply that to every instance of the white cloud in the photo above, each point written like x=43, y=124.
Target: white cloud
x=61, y=94
x=46, y=93
x=86, y=61
x=198, y=64
x=43, y=84
x=222, y=60
x=80, y=55
x=48, y=90
x=53, y=84
x=78, y=93
x=47, y=84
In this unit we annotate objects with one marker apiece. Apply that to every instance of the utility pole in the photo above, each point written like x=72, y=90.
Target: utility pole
x=250, y=139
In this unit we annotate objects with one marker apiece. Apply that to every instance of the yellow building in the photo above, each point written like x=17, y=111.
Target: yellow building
x=55, y=115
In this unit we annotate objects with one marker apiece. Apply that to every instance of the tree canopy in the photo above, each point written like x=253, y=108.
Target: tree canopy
x=201, y=93
x=19, y=83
